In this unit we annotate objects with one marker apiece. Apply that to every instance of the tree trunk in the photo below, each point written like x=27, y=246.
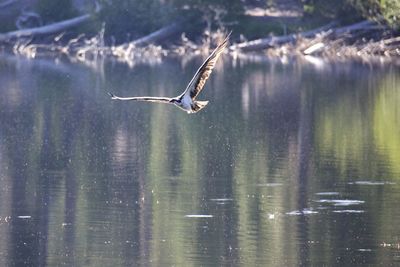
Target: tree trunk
x=159, y=35
x=45, y=30
x=278, y=40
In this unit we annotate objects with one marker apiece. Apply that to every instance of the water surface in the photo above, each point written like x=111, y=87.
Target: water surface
x=291, y=164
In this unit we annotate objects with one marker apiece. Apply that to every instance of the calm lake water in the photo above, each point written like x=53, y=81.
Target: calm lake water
x=292, y=163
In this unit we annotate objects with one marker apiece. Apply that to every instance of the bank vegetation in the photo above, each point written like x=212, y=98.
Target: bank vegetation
x=130, y=30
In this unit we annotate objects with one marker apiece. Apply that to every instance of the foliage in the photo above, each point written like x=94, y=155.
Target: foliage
x=138, y=17
x=340, y=9
x=388, y=10
x=215, y=11
x=253, y=29
x=52, y=11
x=135, y=17
x=130, y=19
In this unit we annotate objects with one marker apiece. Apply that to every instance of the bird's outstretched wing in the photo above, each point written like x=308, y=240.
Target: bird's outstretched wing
x=199, y=79
x=142, y=98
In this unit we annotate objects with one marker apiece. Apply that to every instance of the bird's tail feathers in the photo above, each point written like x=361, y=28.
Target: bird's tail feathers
x=198, y=105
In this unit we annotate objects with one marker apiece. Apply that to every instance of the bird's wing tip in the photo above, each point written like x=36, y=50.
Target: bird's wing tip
x=111, y=95
x=228, y=35
x=226, y=39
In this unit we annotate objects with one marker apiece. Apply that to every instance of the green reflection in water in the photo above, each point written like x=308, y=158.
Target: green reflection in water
x=110, y=183
x=386, y=120
x=354, y=126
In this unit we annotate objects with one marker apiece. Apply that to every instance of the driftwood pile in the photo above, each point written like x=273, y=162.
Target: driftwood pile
x=362, y=39
x=84, y=48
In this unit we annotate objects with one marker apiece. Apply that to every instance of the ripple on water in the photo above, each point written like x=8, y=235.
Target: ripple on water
x=301, y=212
x=341, y=202
x=199, y=216
x=24, y=217
x=270, y=184
x=221, y=199
x=372, y=183
x=348, y=211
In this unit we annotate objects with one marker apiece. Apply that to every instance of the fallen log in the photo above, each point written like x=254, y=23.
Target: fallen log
x=363, y=25
x=390, y=41
x=159, y=35
x=314, y=48
x=7, y=3
x=45, y=30
x=277, y=40
x=48, y=29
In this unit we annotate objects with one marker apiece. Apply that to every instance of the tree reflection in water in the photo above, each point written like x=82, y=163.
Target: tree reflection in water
x=110, y=184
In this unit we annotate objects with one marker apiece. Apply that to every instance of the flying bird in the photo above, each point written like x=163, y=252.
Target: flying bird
x=187, y=100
